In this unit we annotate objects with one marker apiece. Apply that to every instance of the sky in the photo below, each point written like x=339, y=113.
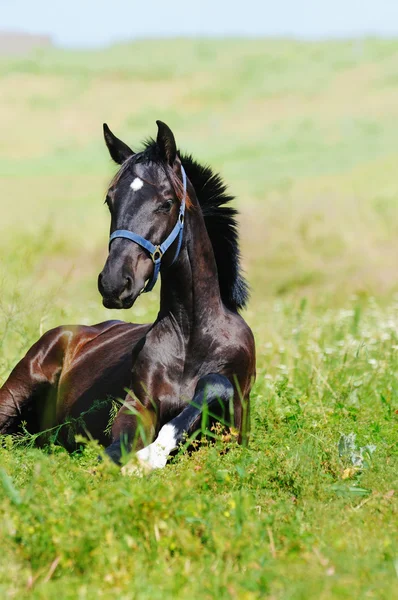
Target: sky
x=93, y=23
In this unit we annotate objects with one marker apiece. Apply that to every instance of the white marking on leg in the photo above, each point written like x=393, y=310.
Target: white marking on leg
x=136, y=184
x=155, y=455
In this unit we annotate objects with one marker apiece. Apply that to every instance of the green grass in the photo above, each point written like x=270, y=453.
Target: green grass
x=305, y=134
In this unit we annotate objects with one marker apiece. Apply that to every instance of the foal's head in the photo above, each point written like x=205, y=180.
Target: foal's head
x=144, y=198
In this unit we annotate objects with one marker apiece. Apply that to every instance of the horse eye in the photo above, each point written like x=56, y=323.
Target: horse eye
x=166, y=206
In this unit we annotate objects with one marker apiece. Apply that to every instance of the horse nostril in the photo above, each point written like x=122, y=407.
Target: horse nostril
x=128, y=288
x=129, y=284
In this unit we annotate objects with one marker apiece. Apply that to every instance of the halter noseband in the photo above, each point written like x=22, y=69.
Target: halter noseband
x=156, y=252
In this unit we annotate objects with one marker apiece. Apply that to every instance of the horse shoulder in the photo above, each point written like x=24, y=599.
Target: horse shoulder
x=236, y=348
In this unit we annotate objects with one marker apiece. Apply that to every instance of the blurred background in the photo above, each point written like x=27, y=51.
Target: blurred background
x=295, y=104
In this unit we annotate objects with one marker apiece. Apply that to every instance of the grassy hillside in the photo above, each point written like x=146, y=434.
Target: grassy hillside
x=306, y=136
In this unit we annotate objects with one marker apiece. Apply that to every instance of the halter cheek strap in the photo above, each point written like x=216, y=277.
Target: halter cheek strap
x=156, y=252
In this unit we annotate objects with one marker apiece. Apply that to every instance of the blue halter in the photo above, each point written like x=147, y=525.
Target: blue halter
x=156, y=252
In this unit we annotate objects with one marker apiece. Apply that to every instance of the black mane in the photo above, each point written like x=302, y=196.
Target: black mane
x=221, y=225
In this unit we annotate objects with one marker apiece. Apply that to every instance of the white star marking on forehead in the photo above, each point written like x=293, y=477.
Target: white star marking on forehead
x=136, y=184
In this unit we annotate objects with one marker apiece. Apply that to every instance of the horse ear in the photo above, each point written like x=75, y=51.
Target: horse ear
x=118, y=150
x=166, y=143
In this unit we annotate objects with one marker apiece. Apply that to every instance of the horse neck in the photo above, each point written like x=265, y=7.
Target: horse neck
x=190, y=291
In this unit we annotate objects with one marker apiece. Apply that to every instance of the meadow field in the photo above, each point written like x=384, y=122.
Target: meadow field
x=306, y=135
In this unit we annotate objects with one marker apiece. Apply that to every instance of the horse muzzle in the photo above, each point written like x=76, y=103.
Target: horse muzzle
x=117, y=294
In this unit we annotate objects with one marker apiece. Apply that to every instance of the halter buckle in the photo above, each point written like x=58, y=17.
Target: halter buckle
x=156, y=254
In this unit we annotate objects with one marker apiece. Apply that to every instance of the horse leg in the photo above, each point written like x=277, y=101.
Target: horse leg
x=34, y=378
x=134, y=426
x=214, y=393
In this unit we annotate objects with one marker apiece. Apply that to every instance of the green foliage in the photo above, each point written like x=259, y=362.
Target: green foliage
x=305, y=135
